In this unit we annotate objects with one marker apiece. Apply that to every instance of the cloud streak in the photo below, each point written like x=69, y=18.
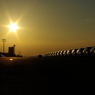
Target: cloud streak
x=88, y=20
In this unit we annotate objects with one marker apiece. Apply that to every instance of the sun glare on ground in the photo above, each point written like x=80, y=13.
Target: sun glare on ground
x=13, y=27
x=11, y=59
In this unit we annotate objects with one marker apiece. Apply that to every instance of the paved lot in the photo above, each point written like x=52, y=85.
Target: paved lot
x=42, y=76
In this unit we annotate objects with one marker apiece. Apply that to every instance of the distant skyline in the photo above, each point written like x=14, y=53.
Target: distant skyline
x=47, y=25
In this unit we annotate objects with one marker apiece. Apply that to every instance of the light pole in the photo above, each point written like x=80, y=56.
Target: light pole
x=3, y=40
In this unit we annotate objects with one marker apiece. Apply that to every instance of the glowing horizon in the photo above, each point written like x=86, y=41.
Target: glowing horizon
x=46, y=25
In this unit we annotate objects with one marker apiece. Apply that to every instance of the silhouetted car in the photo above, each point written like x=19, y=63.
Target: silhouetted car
x=69, y=53
x=74, y=52
x=46, y=55
x=53, y=54
x=86, y=51
x=40, y=56
x=1, y=55
x=80, y=52
x=50, y=54
x=58, y=54
x=92, y=51
x=64, y=53
x=61, y=53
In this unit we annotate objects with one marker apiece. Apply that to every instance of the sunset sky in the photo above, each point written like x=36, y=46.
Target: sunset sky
x=47, y=25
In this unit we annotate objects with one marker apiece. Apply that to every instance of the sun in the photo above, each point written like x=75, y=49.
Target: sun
x=13, y=27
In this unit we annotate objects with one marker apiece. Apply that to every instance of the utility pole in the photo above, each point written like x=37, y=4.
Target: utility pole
x=19, y=52
x=3, y=40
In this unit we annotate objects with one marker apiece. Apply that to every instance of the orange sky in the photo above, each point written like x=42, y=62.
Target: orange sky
x=47, y=25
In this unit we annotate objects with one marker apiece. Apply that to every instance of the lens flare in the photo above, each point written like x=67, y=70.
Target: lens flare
x=13, y=27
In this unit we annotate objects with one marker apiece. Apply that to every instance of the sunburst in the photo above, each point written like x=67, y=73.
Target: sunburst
x=13, y=27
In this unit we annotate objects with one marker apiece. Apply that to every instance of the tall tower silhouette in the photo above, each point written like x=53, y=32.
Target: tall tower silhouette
x=3, y=40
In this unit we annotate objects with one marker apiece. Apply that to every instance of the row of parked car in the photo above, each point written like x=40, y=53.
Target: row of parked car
x=81, y=52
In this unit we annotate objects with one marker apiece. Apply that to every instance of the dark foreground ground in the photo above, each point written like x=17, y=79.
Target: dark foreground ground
x=44, y=76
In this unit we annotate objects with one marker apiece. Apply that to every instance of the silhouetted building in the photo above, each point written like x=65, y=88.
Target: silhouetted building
x=11, y=52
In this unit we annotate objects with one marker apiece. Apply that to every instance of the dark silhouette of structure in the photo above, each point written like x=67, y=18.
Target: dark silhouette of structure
x=3, y=40
x=11, y=52
x=18, y=55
